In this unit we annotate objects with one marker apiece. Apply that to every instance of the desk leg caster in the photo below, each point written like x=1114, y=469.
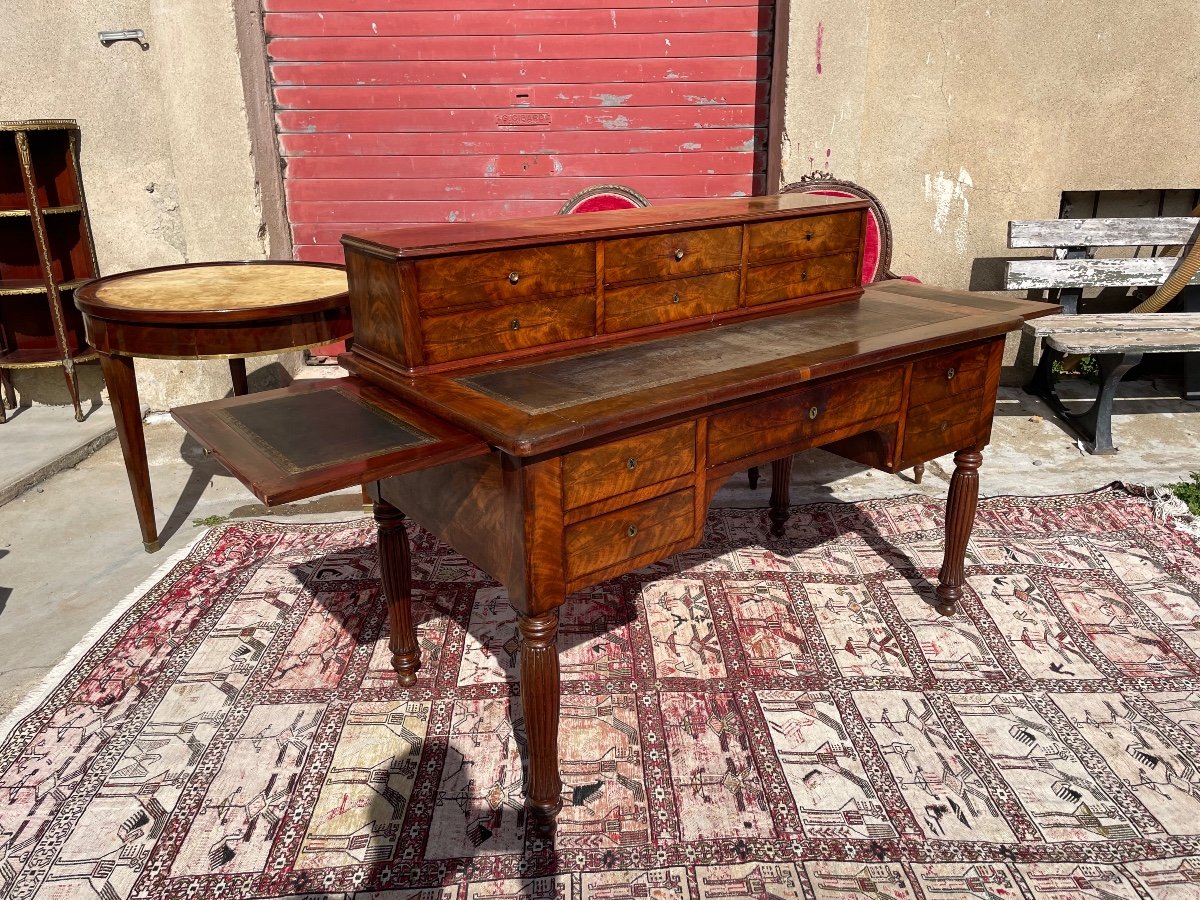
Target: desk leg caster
x=961, y=503
x=395, y=572
x=540, y=705
x=781, y=482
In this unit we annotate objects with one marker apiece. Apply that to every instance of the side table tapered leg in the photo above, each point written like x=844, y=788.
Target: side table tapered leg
x=781, y=485
x=396, y=573
x=127, y=411
x=237, y=374
x=540, y=702
x=960, y=517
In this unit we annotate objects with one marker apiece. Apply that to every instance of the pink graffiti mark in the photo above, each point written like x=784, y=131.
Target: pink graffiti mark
x=820, y=41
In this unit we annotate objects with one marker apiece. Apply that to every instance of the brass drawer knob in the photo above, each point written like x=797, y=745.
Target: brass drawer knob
x=632, y=464
x=675, y=297
x=631, y=530
x=945, y=425
x=515, y=325
x=812, y=412
x=950, y=373
x=513, y=277
x=678, y=254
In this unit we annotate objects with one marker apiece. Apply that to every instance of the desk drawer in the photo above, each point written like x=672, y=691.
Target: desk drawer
x=936, y=429
x=491, y=279
x=484, y=331
x=625, y=465
x=802, y=278
x=948, y=375
x=652, y=304
x=808, y=236
x=672, y=255
x=624, y=534
x=808, y=413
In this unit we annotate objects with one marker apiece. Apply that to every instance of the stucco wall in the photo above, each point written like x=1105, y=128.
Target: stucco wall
x=962, y=116
x=165, y=152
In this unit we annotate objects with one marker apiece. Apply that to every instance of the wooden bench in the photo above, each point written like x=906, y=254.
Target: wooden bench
x=1117, y=341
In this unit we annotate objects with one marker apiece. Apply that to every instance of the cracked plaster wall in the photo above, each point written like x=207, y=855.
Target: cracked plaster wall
x=964, y=115
x=166, y=159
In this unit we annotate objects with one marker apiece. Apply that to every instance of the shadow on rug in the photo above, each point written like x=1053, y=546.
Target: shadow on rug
x=752, y=719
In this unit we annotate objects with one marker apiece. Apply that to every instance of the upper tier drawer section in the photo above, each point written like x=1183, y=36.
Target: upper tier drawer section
x=504, y=276
x=672, y=255
x=479, y=332
x=809, y=236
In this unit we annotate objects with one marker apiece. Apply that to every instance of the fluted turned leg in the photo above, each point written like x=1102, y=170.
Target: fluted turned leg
x=781, y=482
x=960, y=516
x=395, y=571
x=540, y=703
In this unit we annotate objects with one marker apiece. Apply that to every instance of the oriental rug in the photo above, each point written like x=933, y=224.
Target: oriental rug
x=755, y=718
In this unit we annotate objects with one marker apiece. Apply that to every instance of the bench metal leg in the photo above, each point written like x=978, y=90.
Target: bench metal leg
x=1191, y=361
x=1094, y=424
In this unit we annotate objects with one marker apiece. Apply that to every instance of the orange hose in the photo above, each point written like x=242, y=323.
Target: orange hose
x=1179, y=278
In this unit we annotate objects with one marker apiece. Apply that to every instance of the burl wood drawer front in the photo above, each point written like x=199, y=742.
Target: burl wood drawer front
x=610, y=539
x=479, y=332
x=654, y=303
x=479, y=279
x=936, y=429
x=672, y=255
x=802, y=278
x=809, y=236
x=948, y=375
x=803, y=415
x=612, y=469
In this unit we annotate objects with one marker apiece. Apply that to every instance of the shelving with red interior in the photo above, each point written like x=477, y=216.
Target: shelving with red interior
x=46, y=251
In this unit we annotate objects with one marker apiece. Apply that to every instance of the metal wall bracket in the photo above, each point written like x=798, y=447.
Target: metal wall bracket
x=108, y=38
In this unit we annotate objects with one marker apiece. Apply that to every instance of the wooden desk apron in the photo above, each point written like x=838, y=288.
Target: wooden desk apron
x=591, y=449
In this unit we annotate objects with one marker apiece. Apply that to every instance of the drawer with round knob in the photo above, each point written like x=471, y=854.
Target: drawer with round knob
x=638, y=305
x=948, y=375
x=807, y=236
x=513, y=327
x=802, y=278
x=935, y=429
x=672, y=255
x=489, y=279
x=803, y=417
x=620, y=537
x=627, y=464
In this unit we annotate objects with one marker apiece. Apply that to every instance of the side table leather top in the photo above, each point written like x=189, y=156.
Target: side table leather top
x=222, y=310
x=559, y=400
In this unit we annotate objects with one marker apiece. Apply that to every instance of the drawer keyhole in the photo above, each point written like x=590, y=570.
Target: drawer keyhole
x=804, y=275
x=950, y=373
x=678, y=254
x=812, y=412
x=513, y=277
x=945, y=425
x=632, y=464
x=675, y=297
x=631, y=530
x=515, y=325
x=808, y=235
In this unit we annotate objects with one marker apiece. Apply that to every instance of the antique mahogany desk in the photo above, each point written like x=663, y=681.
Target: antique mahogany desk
x=559, y=398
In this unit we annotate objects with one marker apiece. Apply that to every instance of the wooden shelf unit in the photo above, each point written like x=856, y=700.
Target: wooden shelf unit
x=46, y=251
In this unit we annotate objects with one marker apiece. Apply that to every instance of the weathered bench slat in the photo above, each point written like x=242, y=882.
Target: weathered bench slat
x=1039, y=274
x=1101, y=232
x=1126, y=342
x=1115, y=323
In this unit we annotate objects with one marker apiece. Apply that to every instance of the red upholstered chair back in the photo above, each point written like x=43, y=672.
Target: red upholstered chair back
x=877, y=260
x=604, y=197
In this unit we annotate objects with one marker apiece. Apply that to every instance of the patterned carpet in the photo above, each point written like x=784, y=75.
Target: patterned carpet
x=752, y=719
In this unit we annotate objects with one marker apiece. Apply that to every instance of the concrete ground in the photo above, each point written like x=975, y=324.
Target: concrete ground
x=70, y=548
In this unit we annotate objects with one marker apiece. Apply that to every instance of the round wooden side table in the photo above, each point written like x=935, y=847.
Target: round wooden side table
x=221, y=310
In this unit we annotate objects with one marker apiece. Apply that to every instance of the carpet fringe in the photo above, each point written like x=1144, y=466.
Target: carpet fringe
x=46, y=686
x=1166, y=506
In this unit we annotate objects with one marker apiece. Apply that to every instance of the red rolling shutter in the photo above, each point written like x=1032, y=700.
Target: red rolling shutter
x=429, y=112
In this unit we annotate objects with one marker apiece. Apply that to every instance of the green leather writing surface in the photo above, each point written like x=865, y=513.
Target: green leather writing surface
x=320, y=428
x=560, y=383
